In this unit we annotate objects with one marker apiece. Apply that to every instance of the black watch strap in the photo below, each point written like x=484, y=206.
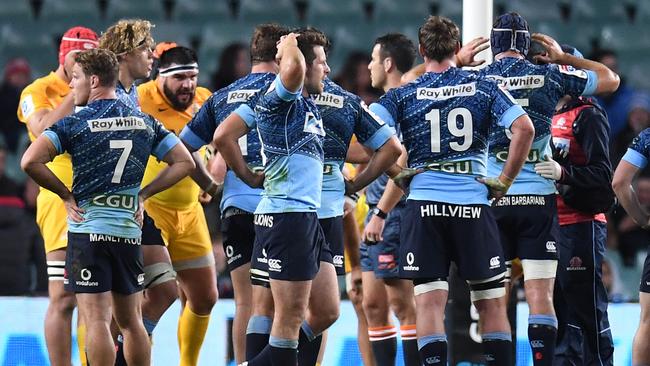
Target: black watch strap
x=379, y=213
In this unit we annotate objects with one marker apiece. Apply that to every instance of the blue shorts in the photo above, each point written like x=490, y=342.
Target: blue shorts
x=528, y=226
x=383, y=257
x=151, y=234
x=645, y=279
x=100, y=263
x=435, y=234
x=238, y=236
x=333, y=252
x=293, y=243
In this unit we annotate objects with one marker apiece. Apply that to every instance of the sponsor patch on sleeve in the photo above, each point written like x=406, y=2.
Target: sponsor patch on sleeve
x=27, y=106
x=570, y=70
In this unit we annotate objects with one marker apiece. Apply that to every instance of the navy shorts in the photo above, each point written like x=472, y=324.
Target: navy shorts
x=383, y=257
x=528, y=226
x=435, y=234
x=292, y=242
x=99, y=263
x=645, y=279
x=238, y=236
x=333, y=251
x=151, y=235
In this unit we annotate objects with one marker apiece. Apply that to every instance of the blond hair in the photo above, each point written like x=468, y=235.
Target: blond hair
x=126, y=35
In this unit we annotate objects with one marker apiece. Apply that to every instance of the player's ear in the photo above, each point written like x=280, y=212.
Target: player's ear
x=421, y=50
x=457, y=48
x=388, y=64
x=94, y=81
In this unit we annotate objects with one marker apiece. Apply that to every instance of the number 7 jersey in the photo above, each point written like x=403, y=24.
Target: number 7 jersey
x=445, y=120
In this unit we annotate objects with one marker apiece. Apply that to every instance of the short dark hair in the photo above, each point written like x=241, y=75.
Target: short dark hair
x=177, y=55
x=264, y=41
x=439, y=37
x=308, y=39
x=399, y=48
x=101, y=63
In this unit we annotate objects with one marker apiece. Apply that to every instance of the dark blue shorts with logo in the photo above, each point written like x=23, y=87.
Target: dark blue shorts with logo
x=333, y=252
x=528, y=226
x=99, y=263
x=238, y=236
x=434, y=234
x=383, y=257
x=645, y=279
x=288, y=246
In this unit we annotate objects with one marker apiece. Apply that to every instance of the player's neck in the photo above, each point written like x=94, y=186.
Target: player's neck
x=60, y=73
x=125, y=77
x=264, y=67
x=101, y=93
x=508, y=54
x=393, y=80
x=438, y=67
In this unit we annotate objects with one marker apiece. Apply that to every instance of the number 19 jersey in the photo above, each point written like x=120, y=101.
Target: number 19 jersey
x=445, y=120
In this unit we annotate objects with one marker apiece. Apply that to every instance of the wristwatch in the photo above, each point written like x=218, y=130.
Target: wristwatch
x=379, y=213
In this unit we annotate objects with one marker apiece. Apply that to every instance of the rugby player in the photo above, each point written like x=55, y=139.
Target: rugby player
x=447, y=217
x=239, y=201
x=109, y=142
x=42, y=103
x=173, y=98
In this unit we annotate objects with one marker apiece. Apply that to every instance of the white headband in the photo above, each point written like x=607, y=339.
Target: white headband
x=71, y=39
x=177, y=69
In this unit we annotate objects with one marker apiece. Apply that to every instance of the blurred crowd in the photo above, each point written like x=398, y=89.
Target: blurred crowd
x=22, y=263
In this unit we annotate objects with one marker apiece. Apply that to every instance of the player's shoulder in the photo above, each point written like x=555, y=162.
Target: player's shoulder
x=202, y=94
x=146, y=89
x=642, y=141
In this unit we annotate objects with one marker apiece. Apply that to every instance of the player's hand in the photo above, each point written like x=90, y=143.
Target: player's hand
x=549, y=169
x=465, y=56
x=554, y=53
x=372, y=233
x=290, y=40
x=255, y=179
x=205, y=197
x=139, y=213
x=350, y=203
x=350, y=189
x=68, y=63
x=353, y=284
x=75, y=213
x=403, y=179
x=497, y=187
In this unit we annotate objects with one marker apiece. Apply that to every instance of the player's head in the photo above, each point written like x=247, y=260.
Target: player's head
x=264, y=40
x=177, y=74
x=439, y=38
x=314, y=46
x=510, y=33
x=74, y=40
x=392, y=52
x=93, y=70
x=132, y=42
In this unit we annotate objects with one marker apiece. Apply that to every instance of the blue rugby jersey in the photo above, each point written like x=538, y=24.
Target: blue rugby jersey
x=200, y=131
x=639, y=151
x=343, y=114
x=110, y=143
x=291, y=132
x=129, y=98
x=537, y=88
x=445, y=120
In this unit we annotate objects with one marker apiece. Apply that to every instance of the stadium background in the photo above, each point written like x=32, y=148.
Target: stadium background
x=29, y=35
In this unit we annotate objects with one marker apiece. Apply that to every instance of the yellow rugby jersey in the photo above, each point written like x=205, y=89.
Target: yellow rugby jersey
x=46, y=93
x=185, y=193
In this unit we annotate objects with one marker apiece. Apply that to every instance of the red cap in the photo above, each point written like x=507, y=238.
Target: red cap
x=77, y=39
x=17, y=65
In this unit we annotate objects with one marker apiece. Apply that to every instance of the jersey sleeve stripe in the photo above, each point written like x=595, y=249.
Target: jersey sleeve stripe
x=592, y=83
x=510, y=115
x=54, y=138
x=283, y=92
x=382, y=113
x=165, y=145
x=635, y=158
x=192, y=139
x=247, y=114
x=379, y=138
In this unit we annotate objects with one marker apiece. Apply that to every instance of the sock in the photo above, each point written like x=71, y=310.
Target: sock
x=263, y=358
x=383, y=341
x=432, y=350
x=81, y=343
x=308, y=346
x=542, y=333
x=284, y=352
x=497, y=348
x=257, y=335
x=149, y=325
x=191, y=331
x=410, y=345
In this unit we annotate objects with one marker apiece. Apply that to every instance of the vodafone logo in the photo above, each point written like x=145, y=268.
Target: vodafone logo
x=86, y=274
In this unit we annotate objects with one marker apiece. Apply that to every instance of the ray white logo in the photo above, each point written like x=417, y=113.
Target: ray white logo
x=410, y=259
x=275, y=265
x=495, y=262
x=329, y=100
x=519, y=82
x=446, y=92
x=550, y=247
x=116, y=124
x=240, y=96
x=85, y=275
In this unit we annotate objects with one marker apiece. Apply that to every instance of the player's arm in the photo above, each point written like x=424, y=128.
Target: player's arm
x=523, y=133
x=40, y=152
x=624, y=175
x=39, y=120
x=607, y=80
x=226, y=139
x=201, y=175
x=380, y=162
x=180, y=165
x=358, y=154
x=292, y=63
